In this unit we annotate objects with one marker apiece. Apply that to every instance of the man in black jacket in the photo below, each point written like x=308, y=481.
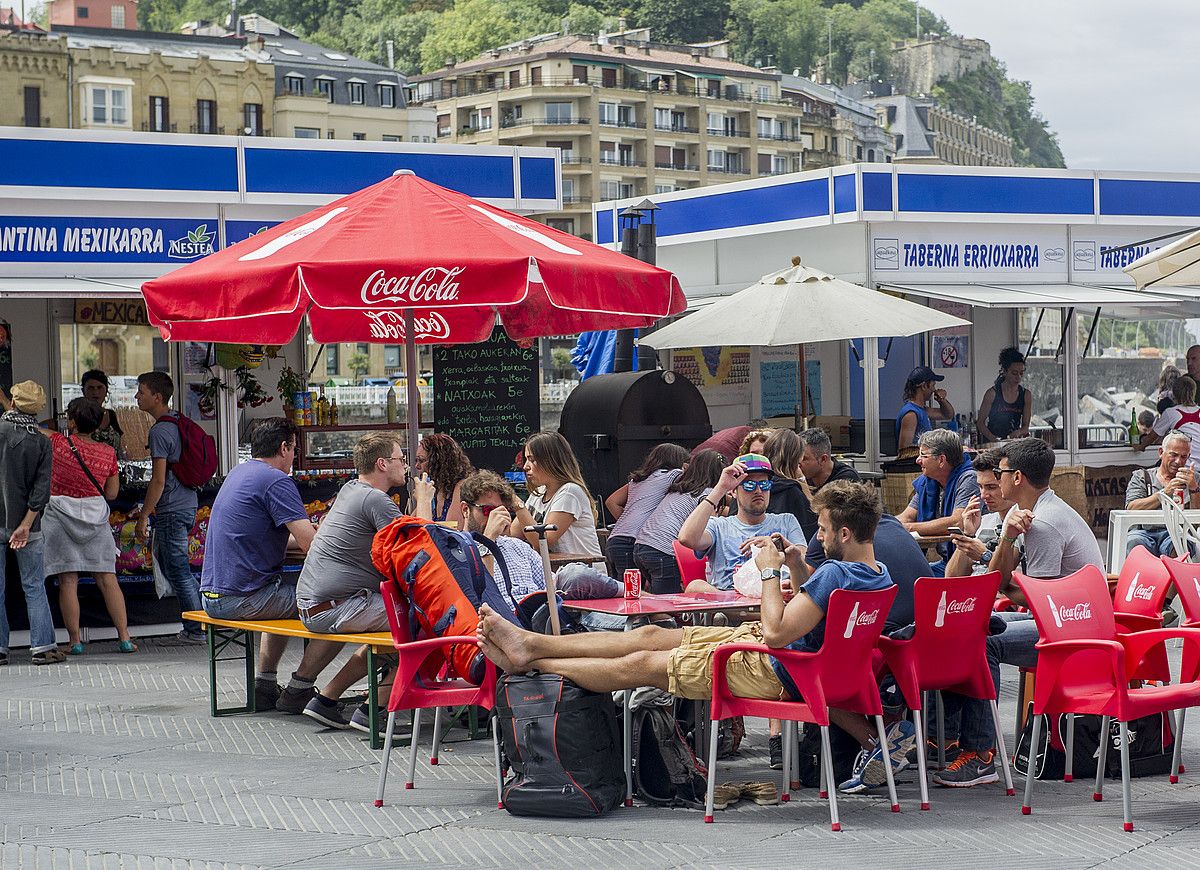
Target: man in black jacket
x=24, y=494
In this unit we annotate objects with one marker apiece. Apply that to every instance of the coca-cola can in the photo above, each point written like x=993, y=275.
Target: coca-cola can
x=633, y=583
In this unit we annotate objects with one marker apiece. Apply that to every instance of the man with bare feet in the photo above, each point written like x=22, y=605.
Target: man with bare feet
x=680, y=660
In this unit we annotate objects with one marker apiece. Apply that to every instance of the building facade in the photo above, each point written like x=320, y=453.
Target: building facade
x=629, y=116
x=33, y=79
x=113, y=14
x=322, y=94
x=837, y=128
x=928, y=133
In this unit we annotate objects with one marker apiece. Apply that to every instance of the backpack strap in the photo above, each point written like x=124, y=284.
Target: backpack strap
x=490, y=545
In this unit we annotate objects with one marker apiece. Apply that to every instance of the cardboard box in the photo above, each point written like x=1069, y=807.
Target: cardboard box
x=838, y=428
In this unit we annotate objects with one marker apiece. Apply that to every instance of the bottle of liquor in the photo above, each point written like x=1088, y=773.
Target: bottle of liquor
x=322, y=409
x=333, y=412
x=1134, y=435
x=391, y=405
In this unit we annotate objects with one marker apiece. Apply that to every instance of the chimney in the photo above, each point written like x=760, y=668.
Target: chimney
x=619, y=49
x=695, y=54
x=449, y=63
x=646, y=49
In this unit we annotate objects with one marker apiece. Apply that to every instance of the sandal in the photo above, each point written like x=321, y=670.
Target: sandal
x=49, y=657
x=75, y=650
x=127, y=646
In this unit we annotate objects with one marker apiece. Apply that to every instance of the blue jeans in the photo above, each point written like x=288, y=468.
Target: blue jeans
x=578, y=581
x=274, y=600
x=171, y=531
x=33, y=583
x=620, y=554
x=660, y=571
x=1157, y=541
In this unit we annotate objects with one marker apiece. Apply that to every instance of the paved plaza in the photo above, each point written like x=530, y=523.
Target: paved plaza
x=112, y=761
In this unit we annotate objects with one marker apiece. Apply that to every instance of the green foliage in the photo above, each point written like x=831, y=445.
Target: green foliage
x=365, y=33
x=684, y=21
x=471, y=26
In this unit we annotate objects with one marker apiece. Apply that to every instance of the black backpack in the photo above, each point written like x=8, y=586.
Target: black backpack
x=564, y=745
x=843, y=747
x=665, y=770
x=1151, y=743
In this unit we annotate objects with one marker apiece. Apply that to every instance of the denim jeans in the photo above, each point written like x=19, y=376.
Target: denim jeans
x=275, y=600
x=33, y=582
x=171, y=531
x=620, y=554
x=1157, y=541
x=660, y=571
x=578, y=581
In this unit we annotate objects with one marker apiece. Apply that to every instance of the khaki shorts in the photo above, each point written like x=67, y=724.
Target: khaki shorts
x=689, y=668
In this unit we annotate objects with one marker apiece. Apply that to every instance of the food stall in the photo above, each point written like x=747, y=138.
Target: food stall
x=91, y=215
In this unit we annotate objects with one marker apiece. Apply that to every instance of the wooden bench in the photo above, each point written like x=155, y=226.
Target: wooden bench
x=238, y=635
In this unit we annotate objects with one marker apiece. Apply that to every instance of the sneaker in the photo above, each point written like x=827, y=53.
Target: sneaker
x=931, y=753
x=266, y=694
x=970, y=768
x=327, y=712
x=294, y=700
x=855, y=784
x=901, y=737
x=191, y=638
x=775, y=748
x=49, y=657
x=361, y=720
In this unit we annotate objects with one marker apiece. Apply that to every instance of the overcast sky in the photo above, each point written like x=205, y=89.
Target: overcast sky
x=1115, y=79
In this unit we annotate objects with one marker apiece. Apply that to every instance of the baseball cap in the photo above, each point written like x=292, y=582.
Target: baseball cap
x=756, y=463
x=921, y=374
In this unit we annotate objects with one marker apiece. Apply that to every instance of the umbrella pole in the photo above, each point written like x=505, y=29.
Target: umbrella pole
x=410, y=379
x=803, y=387
x=870, y=364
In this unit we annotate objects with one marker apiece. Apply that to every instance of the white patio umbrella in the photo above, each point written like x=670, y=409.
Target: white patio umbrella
x=1173, y=265
x=801, y=304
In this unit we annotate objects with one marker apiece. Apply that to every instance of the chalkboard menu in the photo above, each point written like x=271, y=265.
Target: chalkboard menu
x=486, y=397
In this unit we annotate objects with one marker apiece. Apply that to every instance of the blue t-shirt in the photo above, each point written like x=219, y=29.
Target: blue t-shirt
x=165, y=443
x=728, y=533
x=855, y=576
x=247, y=532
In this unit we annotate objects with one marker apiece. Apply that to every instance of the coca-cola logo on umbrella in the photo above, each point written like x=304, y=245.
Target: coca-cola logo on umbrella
x=431, y=284
x=390, y=325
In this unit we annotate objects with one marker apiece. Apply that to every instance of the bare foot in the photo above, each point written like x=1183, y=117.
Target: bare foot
x=496, y=656
x=507, y=640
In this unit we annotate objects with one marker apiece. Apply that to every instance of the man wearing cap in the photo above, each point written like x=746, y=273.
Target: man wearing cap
x=914, y=419
x=727, y=542
x=24, y=494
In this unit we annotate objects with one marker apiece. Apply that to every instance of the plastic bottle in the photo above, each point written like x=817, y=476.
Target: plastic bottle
x=392, y=413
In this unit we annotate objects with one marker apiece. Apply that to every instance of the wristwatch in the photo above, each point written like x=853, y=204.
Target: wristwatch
x=770, y=574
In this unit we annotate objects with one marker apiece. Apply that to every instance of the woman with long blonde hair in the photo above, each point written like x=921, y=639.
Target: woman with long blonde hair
x=558, y=496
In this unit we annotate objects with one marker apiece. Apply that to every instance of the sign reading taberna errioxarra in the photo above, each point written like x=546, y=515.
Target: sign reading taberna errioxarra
x=487, y=397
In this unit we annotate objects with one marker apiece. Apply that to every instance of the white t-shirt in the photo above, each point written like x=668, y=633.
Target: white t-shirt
x=581, y=537
x=1185, y=418
x=1060, y=541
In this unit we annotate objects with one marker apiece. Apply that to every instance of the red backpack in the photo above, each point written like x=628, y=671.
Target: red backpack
x=197, y=452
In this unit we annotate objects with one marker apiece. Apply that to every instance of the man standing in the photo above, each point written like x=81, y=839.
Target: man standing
x=24, y=494
x=172, y=504
x=941, y=493
x=256, y=509
x=727, y=542
x=1172, y=476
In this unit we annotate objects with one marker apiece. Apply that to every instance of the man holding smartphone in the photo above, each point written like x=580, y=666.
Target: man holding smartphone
x=1172, y=476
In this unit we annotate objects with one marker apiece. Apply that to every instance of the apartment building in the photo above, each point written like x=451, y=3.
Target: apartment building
x=836, y=128
x=33, y=78
x=630, y=116
x=927, y=132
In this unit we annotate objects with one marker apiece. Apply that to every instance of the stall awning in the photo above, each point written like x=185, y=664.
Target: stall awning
x=1037, y=295
x=73, y=288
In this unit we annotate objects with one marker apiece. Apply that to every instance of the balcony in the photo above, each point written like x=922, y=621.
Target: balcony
x=146, y=128
x=549, y=122
x=730, y=170
x=574, y=160
x=662, y=128
x=729, y=134
x=613, y=161
x=677, y=167
x=208, y=131
x=575, y=200
x=631, y=125
x=778, y=137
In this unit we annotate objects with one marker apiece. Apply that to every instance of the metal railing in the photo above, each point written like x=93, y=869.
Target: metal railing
x=663, y=128
x=678, y=167
x=604, y=161
x=550, y=122
x=614, y=122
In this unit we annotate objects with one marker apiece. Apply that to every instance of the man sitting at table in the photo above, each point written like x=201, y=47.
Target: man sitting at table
x=1172, y=476
x=728, y=541
x=947, y=482
x=338, y=590
x=256, y=511
x=981, y=520
x=680, y=660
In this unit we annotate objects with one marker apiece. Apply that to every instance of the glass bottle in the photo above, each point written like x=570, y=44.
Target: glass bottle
x=333, y=412
x=322, y=409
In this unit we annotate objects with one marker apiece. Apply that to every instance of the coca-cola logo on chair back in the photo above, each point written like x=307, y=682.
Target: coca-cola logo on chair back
x=1071, y=608
x=952, y=615
x=1143, y=585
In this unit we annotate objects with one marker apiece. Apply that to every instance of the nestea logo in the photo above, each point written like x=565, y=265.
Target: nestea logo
x=197, y=243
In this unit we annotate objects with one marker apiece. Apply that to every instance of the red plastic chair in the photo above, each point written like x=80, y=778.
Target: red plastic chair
x=690, y=568
x=947, y=653
x=1085, y=666
x=420, y=684
x=1186, y=577
x=1138, y=600
x=840, y=674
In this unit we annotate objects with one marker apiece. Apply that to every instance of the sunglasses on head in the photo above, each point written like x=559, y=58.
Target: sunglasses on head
x=751, y=485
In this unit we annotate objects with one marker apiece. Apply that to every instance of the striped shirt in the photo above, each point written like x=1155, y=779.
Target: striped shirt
x=644, y=497
x=661, y=530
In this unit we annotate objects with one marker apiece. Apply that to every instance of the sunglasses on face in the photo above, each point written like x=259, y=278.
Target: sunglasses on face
x=752, y=485
x=487, y=508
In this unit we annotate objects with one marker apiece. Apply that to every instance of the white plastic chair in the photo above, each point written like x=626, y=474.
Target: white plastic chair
x=1184, y=536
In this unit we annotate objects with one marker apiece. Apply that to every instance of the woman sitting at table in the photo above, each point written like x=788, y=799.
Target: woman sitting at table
x=1006, y=406
x=634, y=503
x=441, y=467
x=558, y=496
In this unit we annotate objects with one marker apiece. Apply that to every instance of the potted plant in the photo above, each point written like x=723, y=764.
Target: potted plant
x=290, y=383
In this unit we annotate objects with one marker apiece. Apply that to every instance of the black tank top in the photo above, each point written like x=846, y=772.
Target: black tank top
x=1003, y=418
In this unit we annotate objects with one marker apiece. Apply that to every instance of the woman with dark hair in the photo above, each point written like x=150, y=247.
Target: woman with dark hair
x=441, y=466
x=83, y=478
x=633, y=503
x=1006, y=406
x=652, y=549
x=95, y=388
x=558, y=496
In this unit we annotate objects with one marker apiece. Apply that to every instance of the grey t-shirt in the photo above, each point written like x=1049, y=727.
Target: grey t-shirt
x=1059, y=542
x=166, y=444
x=339, y=561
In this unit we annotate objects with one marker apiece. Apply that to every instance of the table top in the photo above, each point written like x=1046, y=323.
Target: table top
x=649, y=605
x=932, y=540
x=557, y=560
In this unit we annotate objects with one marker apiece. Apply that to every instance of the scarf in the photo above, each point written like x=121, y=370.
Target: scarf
x=927, y=490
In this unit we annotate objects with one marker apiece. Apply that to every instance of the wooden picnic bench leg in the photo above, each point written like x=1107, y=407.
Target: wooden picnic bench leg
x=219, y=639
x=373, y=699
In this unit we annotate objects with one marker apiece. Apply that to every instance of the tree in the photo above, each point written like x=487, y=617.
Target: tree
x=359, y=364
x=474, y=25
x=683, y=21
x=365, y=33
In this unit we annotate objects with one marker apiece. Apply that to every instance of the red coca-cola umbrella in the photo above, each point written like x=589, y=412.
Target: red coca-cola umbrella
x=405, y=260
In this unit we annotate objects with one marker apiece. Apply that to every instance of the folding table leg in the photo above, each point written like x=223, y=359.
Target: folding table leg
x=714, y=734
x=785, y=793
x=1098, y=794
x=437, y=736
x=795, y=768
x=827, y=766
x=1002, y=750
x=1176, y=767
x=627, y=720
x=1126, y=797
x=412, y=748
x=496, y=752
x=1030, y=772
x=372, y=697
x=1069, y=750
x=387, y=755
x=919, y=724
x=887, y=763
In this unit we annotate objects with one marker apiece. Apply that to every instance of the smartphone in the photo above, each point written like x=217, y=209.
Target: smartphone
x=954, y=530
x=777, y=539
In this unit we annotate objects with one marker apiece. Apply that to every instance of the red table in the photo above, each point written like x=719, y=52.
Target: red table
x=656, y=605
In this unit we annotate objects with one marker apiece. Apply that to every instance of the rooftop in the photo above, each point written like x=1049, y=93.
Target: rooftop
x=225, y=48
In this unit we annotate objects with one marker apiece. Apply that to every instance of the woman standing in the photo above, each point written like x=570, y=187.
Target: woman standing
x=558, y=496
x=652, y=550
x=1006, y=406
x=95, y=388
x=84, y=476
x=441, y=467
x=633, y=503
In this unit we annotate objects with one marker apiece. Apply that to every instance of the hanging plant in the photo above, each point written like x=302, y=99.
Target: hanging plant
x=249, y=391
